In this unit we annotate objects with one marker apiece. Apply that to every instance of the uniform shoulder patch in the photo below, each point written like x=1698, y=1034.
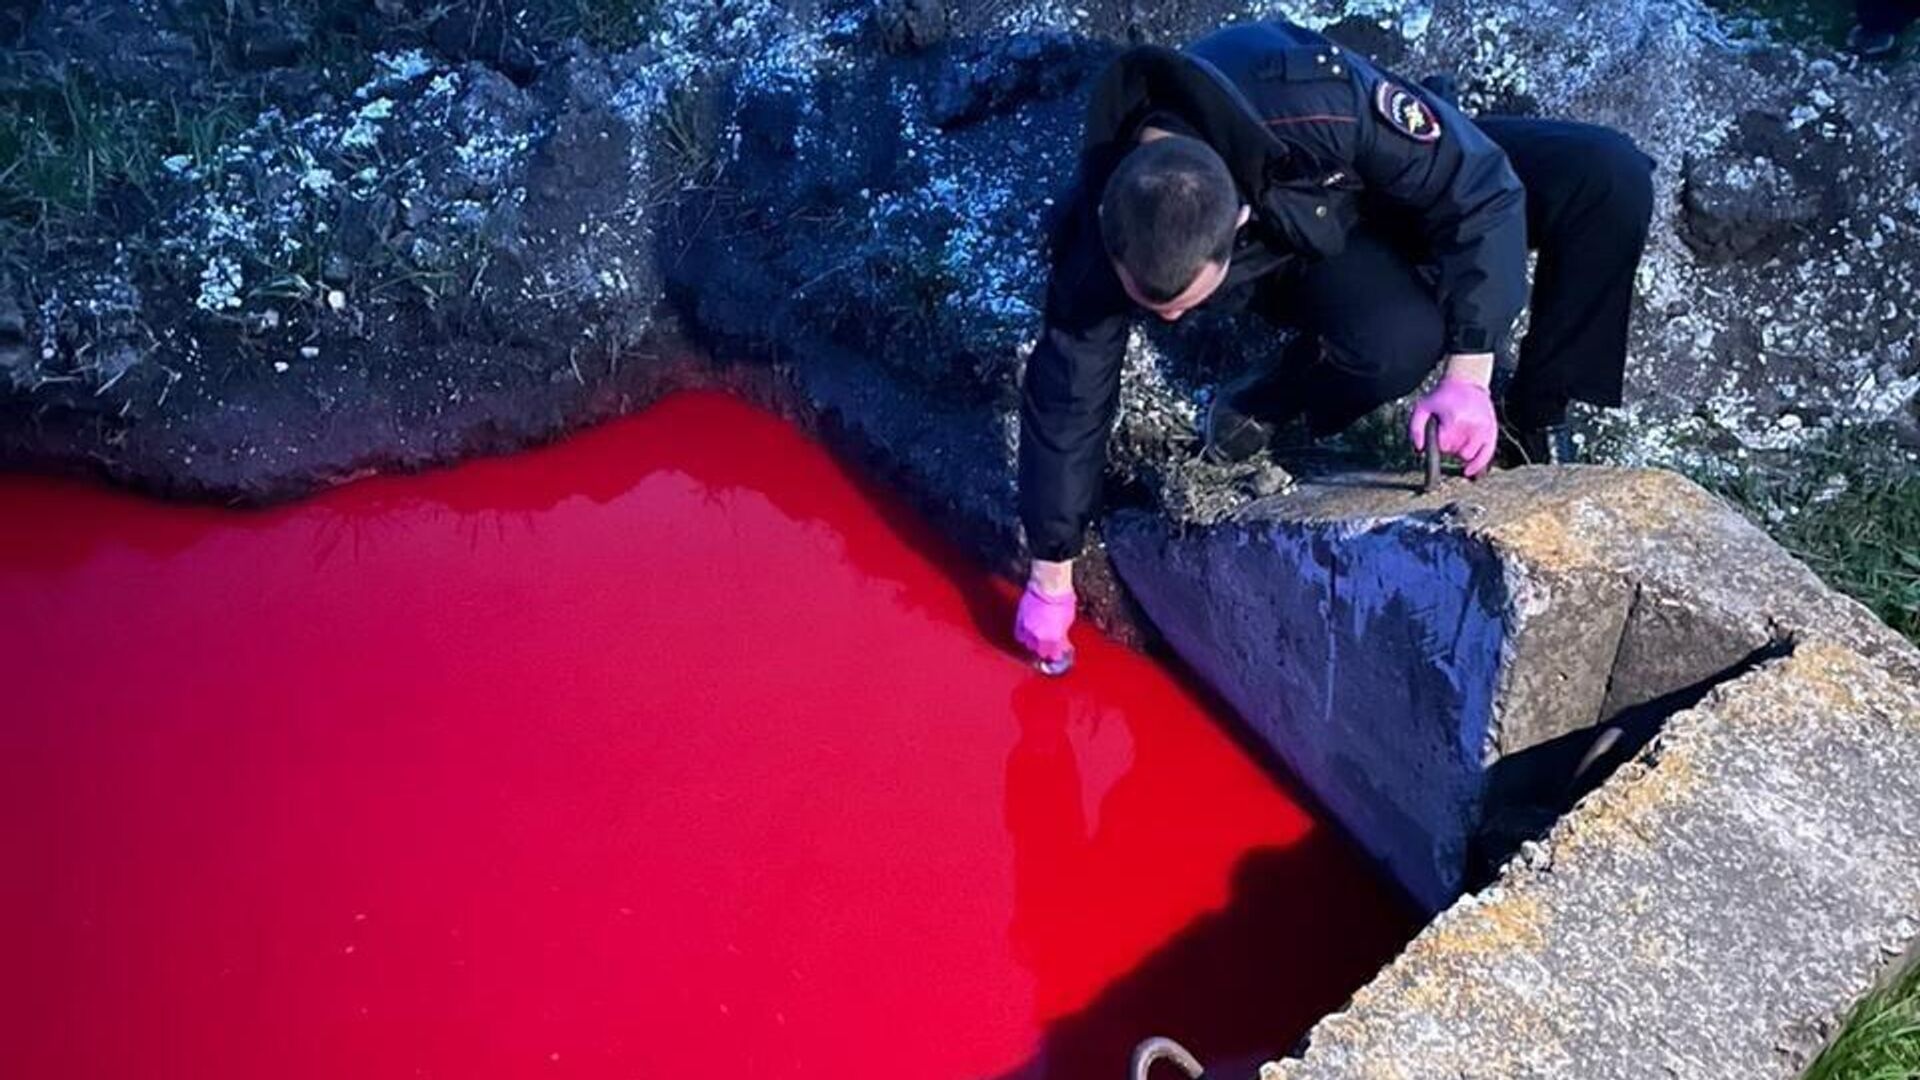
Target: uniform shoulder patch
x=1405, y=112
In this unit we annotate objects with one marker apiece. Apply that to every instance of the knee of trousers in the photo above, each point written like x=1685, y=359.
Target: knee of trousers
x=1392, y=358
x=1630, y=178
x=1617, y=177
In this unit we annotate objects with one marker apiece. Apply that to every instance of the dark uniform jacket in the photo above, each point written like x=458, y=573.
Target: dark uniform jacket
x=1312, y=134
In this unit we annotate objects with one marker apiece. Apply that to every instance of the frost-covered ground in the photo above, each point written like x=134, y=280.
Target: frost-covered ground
x=1778, y=294
x=874, y=176
x=1788, y=183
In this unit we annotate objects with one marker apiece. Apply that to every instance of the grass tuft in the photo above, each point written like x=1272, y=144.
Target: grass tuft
x=1881, y=1039
x=1849, y=508
x=1824, y=21
x=62, y=147
x=607, y=24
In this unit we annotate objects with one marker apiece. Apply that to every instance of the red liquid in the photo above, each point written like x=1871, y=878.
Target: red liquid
x=664, y=752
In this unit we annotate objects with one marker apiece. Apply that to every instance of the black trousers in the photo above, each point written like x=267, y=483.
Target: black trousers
x=1372, y=320
x=1886, y=16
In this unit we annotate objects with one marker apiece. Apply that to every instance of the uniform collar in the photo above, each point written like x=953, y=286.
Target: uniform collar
x=1150, y=78
x=1146, y=78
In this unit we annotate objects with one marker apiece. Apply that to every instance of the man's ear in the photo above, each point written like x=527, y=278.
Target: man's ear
x=1246, y=215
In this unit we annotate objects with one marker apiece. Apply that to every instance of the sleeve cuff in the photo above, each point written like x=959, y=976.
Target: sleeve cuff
x=1471, y=339
x=1059, y=551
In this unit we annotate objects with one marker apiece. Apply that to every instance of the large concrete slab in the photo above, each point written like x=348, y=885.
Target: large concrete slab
x=1393, y=647
x=1709, y=913
x=1715, y=907
x=1367, y=654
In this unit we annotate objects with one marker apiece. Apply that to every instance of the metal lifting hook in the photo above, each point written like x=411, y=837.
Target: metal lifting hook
x=1158, y=1049
x=1433, y=455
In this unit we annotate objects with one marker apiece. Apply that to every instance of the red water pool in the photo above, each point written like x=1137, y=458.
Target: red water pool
x=665, y=752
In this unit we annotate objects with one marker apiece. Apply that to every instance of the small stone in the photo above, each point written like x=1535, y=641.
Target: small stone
x=265, y=43
x=1270, y=480
x=1003, y=76
x=1744, y=207
x=336, y=299
x=280, y=365
x=908, y=26
x=13, y=328
x=309, y=352
x=1788, y=422
x=337, y=269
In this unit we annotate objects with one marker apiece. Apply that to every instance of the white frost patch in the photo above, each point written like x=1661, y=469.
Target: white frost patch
x=487, y=156
x=1144, y=377
x=271, y=194
x=1411, y=21
x=1415, y=19
x=395, y=68
x=220, y=283
x=364, y=132
x=989, y=253
x=765, y=43
x=1041, y=15
x=1881, y=395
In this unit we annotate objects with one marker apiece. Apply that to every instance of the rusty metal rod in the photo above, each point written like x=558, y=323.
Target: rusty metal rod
x=1158, y=1049
x=1433, y=456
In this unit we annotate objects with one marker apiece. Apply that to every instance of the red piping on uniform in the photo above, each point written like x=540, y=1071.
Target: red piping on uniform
x=1310, y=119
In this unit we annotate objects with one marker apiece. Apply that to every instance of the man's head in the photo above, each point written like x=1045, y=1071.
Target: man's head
x=1167, y=218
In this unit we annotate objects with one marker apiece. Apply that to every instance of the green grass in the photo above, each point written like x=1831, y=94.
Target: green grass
x=1850, y=508
x=1881, y=1040
x=687, y=137
x=1822, y=20
x=61, y=147
x=608, y=24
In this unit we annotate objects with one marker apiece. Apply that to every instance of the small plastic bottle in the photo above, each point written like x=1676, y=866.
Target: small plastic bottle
x=1055, y=668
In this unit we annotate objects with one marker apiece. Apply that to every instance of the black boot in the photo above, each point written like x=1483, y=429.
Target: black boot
x=1551, y=444
x=1529, y=441
x=1877, y=45
x=1247, y=411
x=1236, y=429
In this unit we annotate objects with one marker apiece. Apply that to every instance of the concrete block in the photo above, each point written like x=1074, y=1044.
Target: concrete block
x=1393, y=647
x=1666, y=643
x=1366, y=657
x=1559, y=660
x=1711, y=912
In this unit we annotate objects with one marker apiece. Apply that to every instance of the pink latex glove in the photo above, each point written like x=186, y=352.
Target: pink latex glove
x=1468, y=429
x=1041, y=623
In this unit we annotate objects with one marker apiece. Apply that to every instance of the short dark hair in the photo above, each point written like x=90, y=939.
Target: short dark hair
x=1169, y=207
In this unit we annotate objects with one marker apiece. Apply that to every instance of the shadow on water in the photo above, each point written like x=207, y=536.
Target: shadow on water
x=1303, y=924
x=1302, y=928
x=1240, y=985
